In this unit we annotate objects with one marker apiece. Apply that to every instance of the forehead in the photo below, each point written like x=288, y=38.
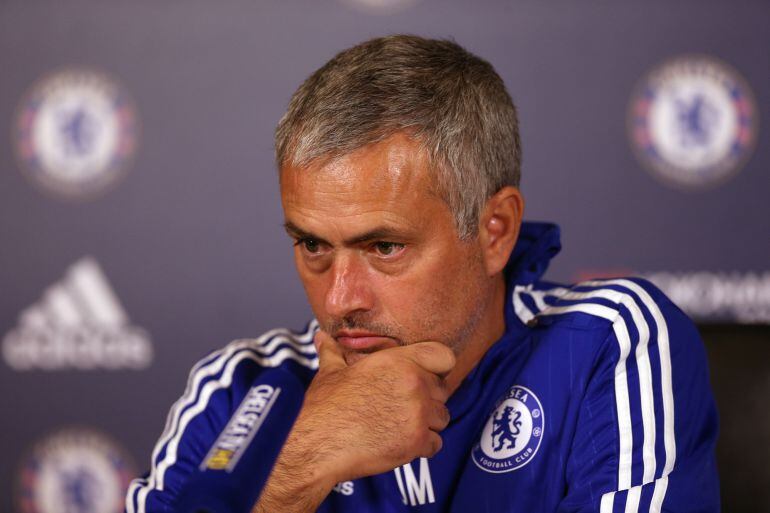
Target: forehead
x=391, y=179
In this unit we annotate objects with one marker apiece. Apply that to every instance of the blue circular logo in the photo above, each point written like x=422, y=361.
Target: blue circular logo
x=512, y=435
x=76, y=132
x=74, y=470
x=693, y=121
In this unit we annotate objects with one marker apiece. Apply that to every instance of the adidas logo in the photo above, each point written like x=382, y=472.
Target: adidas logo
x=78, y=324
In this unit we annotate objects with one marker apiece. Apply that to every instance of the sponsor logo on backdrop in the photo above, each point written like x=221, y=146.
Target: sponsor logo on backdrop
x=513, y=433
x=79, y=323
x=718, y=296
x=76, y=132
x=239, y=432
x=74, y=471
x=693, y=121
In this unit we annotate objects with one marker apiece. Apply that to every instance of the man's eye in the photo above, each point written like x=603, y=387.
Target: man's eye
x=310, y=245
x=388, y=248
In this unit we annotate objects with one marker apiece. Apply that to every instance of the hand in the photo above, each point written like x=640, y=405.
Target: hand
x=382, y=412
x=360, y=420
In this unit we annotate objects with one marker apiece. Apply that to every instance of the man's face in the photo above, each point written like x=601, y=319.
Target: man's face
x=378, y=253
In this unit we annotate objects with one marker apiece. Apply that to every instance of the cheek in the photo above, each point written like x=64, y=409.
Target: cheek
x=399, y=302
x=460, y=294
x=315, y=296
x=314, y=285
x=439, y=304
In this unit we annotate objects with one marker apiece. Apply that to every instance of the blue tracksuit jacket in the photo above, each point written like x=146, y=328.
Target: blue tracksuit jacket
x=596, y=398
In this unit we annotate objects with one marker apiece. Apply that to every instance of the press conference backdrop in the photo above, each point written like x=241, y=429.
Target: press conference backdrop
x=140, y=223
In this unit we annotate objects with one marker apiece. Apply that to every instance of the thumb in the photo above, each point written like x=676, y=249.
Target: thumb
x=329, y=354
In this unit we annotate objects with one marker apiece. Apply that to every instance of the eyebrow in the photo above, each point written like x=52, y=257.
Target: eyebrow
x=379, y=233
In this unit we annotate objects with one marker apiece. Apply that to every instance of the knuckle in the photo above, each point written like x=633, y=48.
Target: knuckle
x=423, y=439
x=413, y=443
x=420, y=415
x=433, y=444
x=437, y=415
x=411, y=381
x=401, y=451
x=438, y=443
x=444, y=415
x=420, y=421
x=424, y=413
x=438, y=388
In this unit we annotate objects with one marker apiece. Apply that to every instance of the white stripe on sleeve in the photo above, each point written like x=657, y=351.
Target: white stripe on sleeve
x=646, y=385
x=212, y=365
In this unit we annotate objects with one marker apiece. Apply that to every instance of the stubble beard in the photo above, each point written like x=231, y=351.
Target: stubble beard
x=476, y=296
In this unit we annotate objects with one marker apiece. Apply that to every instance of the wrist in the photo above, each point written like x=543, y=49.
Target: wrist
x=307, y=461
x=295, y=486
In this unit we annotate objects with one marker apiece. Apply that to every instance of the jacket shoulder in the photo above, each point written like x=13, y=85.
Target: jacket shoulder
x=593, y=303
x=217, y=388
x=277, y=348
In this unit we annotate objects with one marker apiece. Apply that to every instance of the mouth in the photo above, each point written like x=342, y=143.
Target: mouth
x=363, y=341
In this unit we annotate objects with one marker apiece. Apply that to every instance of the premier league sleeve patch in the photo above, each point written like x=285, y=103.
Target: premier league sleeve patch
x=241, y=429
x=512, y=434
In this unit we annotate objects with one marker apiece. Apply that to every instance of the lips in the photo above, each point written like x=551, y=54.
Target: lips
x=363, y=341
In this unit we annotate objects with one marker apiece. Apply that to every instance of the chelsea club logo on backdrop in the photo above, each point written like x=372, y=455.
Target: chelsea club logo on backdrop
x=693, y=121
x=512, y=435
x=74, y=470
x=75, y=132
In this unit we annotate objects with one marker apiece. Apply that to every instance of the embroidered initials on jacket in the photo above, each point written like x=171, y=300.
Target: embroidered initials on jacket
x=415, y=491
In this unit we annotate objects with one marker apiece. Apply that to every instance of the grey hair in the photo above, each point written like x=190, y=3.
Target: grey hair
x=451, y=101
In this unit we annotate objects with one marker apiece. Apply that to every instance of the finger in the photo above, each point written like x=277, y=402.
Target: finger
x=433, y=445
x=330, y=356
x=434, y=357
x=437, y=388
x=438, y=418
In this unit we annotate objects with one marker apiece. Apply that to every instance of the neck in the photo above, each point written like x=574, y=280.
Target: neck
x=488, y=330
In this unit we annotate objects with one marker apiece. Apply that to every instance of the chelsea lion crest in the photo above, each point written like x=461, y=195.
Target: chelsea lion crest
x=512, y=434
x=74, y=470
x=76, y=131
x=693, y=121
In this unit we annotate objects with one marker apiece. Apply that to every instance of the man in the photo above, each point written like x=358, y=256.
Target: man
x=446, y=375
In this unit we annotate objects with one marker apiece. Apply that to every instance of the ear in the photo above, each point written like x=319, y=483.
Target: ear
x=499, y=225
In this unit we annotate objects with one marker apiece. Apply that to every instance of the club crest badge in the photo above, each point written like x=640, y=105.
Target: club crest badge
x=693, y=122
x=75, y=133
x=74, y=470
x=512, y=435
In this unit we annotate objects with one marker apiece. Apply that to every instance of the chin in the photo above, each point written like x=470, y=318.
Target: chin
x=352, y=357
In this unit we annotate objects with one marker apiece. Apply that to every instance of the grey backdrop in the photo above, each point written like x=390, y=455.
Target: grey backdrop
x=191, y=238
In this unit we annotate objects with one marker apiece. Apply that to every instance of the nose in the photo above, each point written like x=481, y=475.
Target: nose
x=349, y=290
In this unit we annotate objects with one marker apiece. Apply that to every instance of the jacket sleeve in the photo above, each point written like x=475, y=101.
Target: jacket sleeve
x=647, y=425
x=224, y=434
